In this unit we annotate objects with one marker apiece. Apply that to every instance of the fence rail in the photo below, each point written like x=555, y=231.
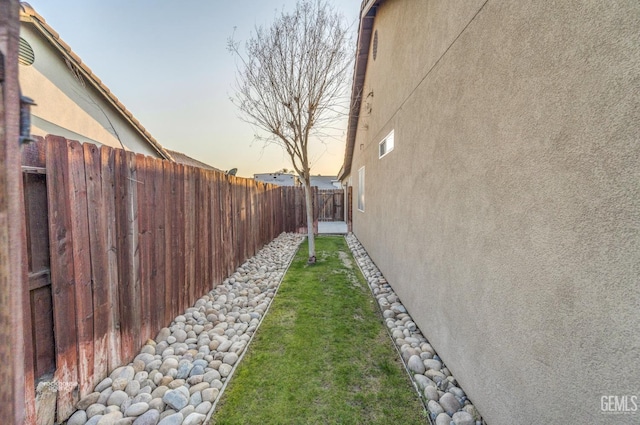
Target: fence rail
x=132, y=242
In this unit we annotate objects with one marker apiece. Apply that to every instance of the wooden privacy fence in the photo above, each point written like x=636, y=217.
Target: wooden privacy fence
x=132, y=241
x=330, y=205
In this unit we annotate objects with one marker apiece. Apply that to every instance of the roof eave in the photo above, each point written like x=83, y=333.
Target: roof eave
x=28, y=14
x=367, y=16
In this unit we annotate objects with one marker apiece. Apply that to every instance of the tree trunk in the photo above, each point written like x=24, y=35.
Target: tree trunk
x=310, y=236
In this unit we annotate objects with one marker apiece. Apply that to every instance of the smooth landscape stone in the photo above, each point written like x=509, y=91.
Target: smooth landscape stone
x=415, y=364
x=110, y=418
x=194, y=419
x=230, y=358
x=210, y=394
x=142, y=398
x=103, y=385
x=422, y=381
x=88, y=401
x=196, y=398
x=136, y=409
x=434, y=407
x=145, y=357
x=225, y=370
x=199, y=387
x=95, y=409
x=197, y=370
x=443, y=419
x=157, y=404
x=167, y=364
x=124, y=421
x=132, y=388
x=119, y=384
x=153, y=365
x=431, y=393
x=163, y=335
x=151, y=417
x=204, y=407
x=117, y=398
x=456, y=392
x=94, y=420
x=189, y=409
x=463, y=418
x=159, y=392
x=78, y=418
x=471, y=409
x=174, y=419
x=175, y=399
x=180, y=335
x=104, y=396
x=128, y=372
x=183, y=370
x=432, y=364
x=138, y=365
x=449, y=403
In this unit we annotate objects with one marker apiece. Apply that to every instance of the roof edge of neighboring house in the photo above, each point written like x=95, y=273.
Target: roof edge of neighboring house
x=28, y=14
x=367, y=15
x=182, y=158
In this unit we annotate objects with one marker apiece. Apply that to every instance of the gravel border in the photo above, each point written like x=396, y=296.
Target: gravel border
x=438, y=390
x=178, y=378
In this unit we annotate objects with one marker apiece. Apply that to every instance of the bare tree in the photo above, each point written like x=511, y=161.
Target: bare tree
x=292, y=83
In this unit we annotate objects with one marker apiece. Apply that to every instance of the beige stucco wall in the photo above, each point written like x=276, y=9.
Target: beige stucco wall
x=68, y=108
x=507, y=218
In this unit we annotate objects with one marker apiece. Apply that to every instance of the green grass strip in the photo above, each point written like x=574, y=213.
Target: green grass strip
x=322, y=354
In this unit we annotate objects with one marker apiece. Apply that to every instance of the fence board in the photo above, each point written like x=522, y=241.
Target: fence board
x=188, y=288
x=99, y=260
x=107, y=167
x=62, y=275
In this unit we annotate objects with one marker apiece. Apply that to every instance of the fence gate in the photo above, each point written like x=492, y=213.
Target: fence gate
x=331, y=205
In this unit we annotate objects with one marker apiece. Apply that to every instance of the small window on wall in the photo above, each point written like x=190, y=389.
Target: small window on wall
x=386, y=145
x=361, y=189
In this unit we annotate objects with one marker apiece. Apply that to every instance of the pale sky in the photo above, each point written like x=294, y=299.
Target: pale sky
x=167, y=62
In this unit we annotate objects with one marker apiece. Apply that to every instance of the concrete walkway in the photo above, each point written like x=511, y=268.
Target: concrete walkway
x=332, y=227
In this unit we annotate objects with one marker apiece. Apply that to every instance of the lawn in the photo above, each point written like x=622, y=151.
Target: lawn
x=322, y=354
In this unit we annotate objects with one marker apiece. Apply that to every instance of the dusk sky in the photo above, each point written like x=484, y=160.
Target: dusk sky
x=168, y=63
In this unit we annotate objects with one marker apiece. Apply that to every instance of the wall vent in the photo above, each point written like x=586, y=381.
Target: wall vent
x=25, y=53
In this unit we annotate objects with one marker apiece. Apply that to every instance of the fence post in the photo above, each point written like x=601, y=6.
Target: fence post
x=15, y=405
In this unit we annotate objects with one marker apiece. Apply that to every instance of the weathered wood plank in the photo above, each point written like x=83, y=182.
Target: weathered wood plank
x=179, y=254
x=188, y=285
x=128, y=253
x=143, y=183
x=98, y=255
x=81, y=266
x=158, y=242
x=62, y=272
x=171, y=239
x=107, y=169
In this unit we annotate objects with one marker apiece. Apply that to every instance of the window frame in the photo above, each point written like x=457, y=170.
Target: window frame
x=388, y=146
x=361, y=177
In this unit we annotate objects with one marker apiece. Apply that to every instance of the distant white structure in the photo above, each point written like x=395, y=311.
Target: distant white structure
x=287, y=179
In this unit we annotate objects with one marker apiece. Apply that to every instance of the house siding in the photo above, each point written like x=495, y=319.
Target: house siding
x=67, y=108
x=506, y=217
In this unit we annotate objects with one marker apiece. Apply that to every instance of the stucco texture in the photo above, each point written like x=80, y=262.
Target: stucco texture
x=507, y=217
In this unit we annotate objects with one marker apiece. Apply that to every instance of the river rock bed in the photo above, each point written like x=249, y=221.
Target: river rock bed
x=446, y=402
x=177, y=378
